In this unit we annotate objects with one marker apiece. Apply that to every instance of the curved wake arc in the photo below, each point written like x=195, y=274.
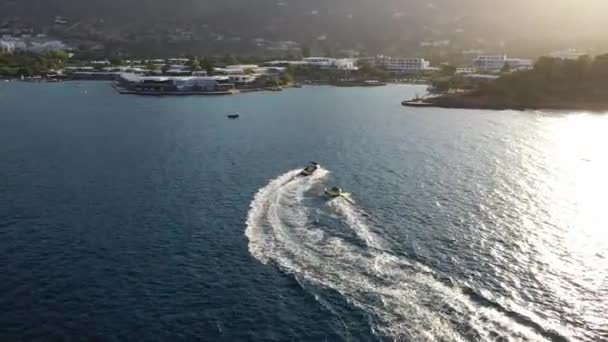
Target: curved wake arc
x=404, y=300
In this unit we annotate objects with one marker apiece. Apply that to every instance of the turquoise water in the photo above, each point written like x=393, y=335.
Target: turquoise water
x=156, y=218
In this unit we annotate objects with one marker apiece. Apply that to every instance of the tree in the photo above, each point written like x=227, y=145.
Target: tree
x=115, y=61
x=366, y=70
x=286, y=78
x=59, y=55
x=547, y=66
x=194, y=64
x=150, y=66
x=305, y=51
x=448, y=70
x=229, y=60
x=207, y=65
x=506, y=68
x=599, y=68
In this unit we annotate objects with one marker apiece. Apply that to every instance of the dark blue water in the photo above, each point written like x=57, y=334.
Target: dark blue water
x=132, y=218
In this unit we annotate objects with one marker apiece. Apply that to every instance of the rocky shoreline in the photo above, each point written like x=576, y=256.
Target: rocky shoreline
x=461, y=101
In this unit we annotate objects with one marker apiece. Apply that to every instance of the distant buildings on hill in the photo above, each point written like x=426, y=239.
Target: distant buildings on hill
x=27, y=42
x=320, y=62
x=493, y=63
x=567, y=54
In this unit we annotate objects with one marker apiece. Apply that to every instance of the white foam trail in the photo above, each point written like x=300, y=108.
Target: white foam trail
x=356, y=219
x=403, y=300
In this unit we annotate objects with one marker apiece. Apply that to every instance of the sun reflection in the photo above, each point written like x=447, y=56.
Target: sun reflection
x=572, y=241
x=576, y=152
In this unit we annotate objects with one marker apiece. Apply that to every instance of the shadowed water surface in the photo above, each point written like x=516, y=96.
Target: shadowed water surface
x=141, y=218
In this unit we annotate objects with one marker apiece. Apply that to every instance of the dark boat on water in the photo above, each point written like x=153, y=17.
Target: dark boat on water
x=233, y=116
x=417, y=102
x=334, y=192
x=310, y=169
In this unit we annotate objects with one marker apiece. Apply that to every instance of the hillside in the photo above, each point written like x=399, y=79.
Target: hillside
x=391, y=26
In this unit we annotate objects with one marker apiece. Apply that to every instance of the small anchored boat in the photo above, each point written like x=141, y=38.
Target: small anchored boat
x=233, y=116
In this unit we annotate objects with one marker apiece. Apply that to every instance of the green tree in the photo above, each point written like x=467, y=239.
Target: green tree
x=150, y=66
x=194, y=64
x=207, y=65
x=547, y=67
x=305, y=51
x=447, y=70
x=366, y=70
x=599, y=68
x=286, y=79
x=229, y=60
x=116, y=61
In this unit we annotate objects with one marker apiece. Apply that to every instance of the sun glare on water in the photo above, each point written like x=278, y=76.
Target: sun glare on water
x=573, y=242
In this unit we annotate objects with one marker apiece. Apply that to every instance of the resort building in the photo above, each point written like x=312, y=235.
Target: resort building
x=346, y=64
x=399, y=65
x=490, y=62
x=466, y=70
x=179, y=61
x=322, y=62
x=572, y=54
x=176, y=83
x=519, y=63
x=242, y=80
x=10, y=44
x=319, y=62
x=497, y=62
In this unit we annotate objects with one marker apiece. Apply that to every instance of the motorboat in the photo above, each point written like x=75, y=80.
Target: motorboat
x=233, y=116
x=310, y=169
x=334, y=192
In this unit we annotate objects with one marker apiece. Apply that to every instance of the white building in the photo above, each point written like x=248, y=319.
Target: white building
x=322, y=62
x=466, y=70
x=242, y=79
x=180, y=61
x=520, y=63
x=10, y=44
x=399, y=64
x=572, y=54
x=100, y=63
x=46, y=46
x=490, y=62
x=346, y=64
x=176, y=83
x=497, y=62
x=284, y=63
x=318, y=62
x=7, y=47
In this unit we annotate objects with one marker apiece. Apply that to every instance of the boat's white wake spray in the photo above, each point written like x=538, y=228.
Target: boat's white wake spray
x=403, y=300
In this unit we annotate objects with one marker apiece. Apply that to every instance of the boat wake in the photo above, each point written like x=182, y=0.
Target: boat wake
x=332, y=247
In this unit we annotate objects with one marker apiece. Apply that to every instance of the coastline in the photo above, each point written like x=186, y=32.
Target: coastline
x=487, y=103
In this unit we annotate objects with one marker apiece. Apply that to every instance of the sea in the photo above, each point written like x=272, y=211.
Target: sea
x=129, y=218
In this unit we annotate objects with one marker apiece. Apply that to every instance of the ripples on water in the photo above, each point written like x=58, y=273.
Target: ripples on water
x=127, y=214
